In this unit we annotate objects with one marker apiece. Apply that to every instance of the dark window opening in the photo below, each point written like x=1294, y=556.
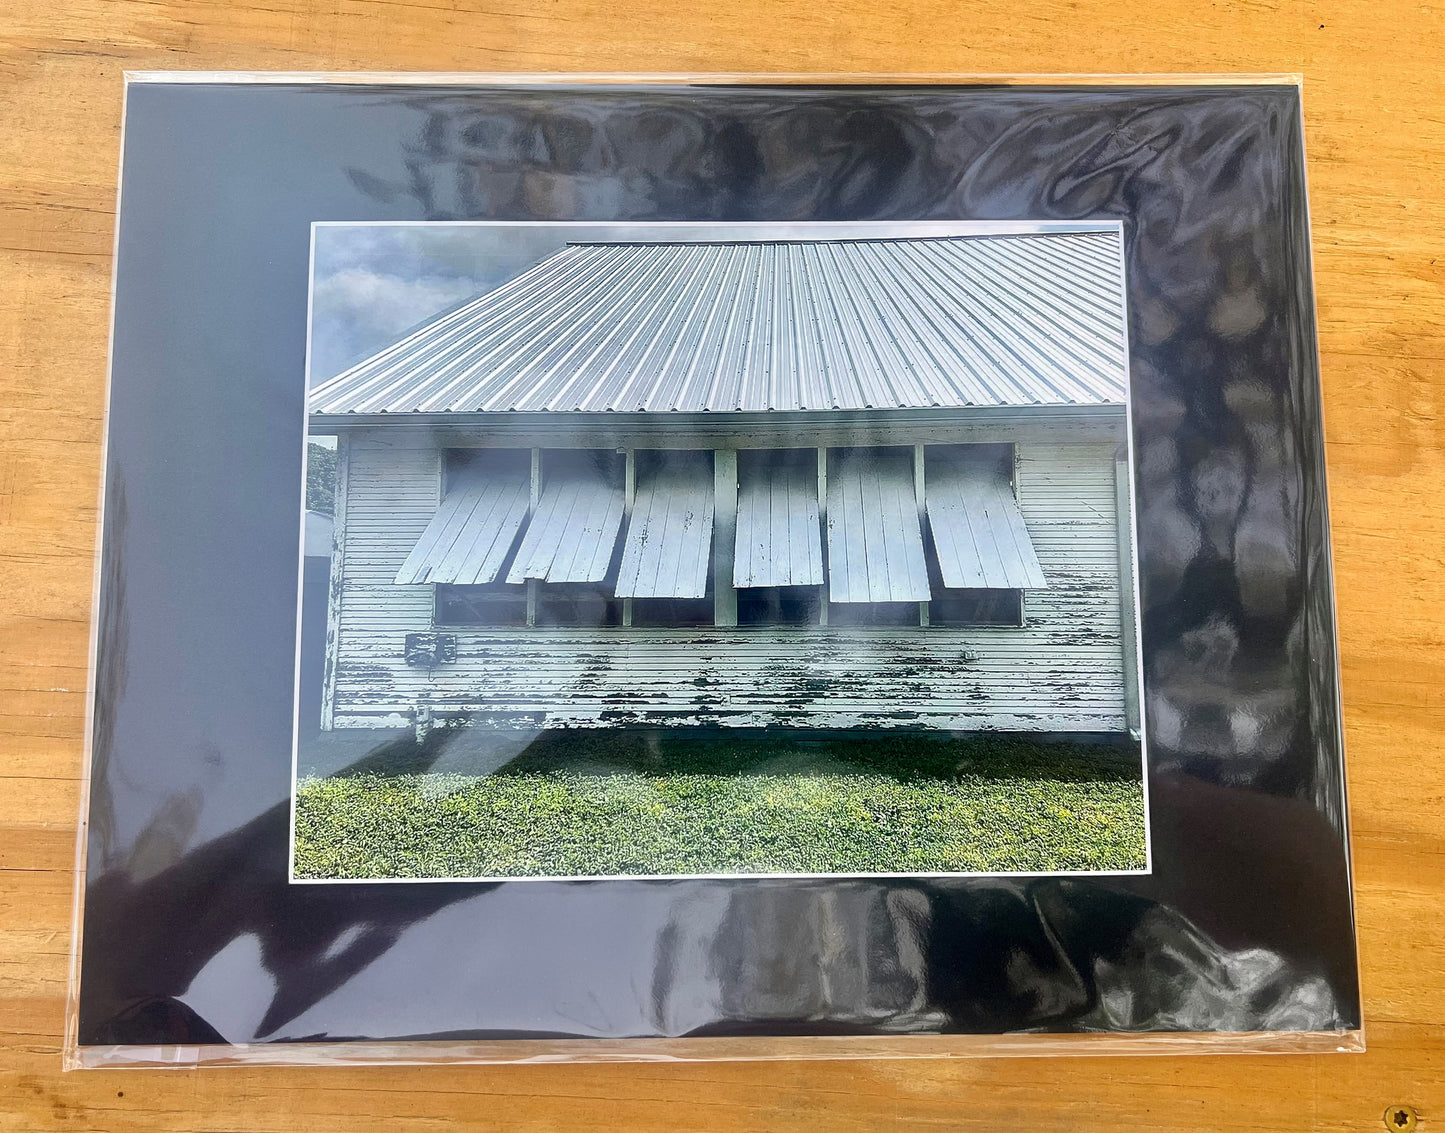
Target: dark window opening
x=495, y=604
x=780, y=605
x=873, y=614
x=999, y=458
x=602, y=464
x=651, y=461
x=755, y=460
x=578, y=604
x=976, y=608
x=662, y=613
x=463, y=464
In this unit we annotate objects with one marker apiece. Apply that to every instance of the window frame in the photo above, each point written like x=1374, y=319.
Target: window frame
x=621, y=612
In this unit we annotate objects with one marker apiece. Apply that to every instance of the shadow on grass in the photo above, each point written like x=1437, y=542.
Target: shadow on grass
x=904, y=755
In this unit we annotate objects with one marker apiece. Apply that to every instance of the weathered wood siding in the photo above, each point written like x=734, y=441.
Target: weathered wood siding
x=1062, y=671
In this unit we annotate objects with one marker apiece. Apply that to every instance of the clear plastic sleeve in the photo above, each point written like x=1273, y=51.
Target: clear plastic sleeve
x=1070, y=313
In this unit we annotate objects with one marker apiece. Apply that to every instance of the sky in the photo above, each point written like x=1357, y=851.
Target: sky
x=374, y=283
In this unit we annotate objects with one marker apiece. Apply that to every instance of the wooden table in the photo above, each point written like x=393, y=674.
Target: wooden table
x=1375, y=119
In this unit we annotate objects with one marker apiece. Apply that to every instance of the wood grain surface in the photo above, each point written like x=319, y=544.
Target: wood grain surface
x=1375, y=118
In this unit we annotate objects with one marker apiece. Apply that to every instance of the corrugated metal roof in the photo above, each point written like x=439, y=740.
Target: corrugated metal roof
x=875, y=543
x=668, y=550
x=469, y=536
x=573, y=532
x=957, y=321
x=978, y=530
x=778, y=539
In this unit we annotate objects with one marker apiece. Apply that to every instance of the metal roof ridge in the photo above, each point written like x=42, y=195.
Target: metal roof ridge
x=921, y=239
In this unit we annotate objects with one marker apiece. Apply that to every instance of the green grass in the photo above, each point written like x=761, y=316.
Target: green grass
x=629, y=803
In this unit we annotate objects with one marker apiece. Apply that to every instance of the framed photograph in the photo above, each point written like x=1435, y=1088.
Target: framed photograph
x=712, y=568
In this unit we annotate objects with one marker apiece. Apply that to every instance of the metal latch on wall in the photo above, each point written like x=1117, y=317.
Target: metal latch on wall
x=424, y=650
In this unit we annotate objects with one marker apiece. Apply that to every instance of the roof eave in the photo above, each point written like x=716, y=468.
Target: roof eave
x=326, y=423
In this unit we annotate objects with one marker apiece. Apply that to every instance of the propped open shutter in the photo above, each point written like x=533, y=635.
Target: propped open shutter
x=471, y=533
x=573, y=532
x=779, y=542
x=668, y=552
x=875, y=543
x=978, y=530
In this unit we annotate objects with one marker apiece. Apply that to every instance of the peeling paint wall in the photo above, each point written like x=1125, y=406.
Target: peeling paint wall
x=1062, y=671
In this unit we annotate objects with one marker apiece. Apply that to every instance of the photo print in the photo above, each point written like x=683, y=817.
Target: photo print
x=648, y=550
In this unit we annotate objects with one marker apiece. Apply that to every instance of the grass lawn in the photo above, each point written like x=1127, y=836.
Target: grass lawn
x=638, y=803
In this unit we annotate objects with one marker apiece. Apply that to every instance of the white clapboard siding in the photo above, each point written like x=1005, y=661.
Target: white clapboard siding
x=779, y=540
x=1061, y=671
x=573, y=532
x=875, y=544
x=393, y=491
x=668, y=549
x=978, y=530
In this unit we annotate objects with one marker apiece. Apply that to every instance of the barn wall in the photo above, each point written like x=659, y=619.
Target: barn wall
x=1062, y=671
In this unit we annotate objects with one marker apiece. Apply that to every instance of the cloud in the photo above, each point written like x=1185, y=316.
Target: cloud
x=357, y=311
x=389, y=304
